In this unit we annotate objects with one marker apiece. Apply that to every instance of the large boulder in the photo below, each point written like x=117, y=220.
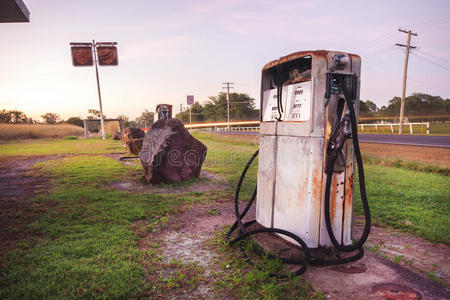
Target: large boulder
x=133, y=138
x=170, y=153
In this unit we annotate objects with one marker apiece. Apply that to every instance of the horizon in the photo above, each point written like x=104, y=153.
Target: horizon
x=171, y=49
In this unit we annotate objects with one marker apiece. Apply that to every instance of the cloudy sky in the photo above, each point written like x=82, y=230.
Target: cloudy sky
x=169, y=49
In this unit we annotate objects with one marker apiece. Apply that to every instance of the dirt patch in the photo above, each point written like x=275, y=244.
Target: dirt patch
x=186, y=240
x=206, y=182
x=431, y=155
x=412, y=252
x=18, y=183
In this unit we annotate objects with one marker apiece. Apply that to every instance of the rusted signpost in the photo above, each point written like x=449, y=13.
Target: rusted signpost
x=100, y=53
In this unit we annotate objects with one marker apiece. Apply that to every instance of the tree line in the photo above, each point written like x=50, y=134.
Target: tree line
x=242, y=107
x=416, y=105
x=18, y=117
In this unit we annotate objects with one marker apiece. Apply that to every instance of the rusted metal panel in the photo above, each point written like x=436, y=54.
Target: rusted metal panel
x=297, y=200
x=266, y=172
x=348, y=200
x=267, y=128
x=336, y=209
x=295, y=55
x=82, y=56
x=107, y=56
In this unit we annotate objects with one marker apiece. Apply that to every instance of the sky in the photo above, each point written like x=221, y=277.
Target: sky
x=170, y=49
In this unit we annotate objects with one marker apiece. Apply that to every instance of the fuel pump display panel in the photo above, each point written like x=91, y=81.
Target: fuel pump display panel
x=295, y=100
x=298, y=102
x=270, y=109
x=293, y=80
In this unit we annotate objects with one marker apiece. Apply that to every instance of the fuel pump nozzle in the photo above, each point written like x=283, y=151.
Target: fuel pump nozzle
x=339, y=134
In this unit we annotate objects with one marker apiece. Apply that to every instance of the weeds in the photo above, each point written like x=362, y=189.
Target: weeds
x=37, y=131
x=238, y=278
x=408, y=165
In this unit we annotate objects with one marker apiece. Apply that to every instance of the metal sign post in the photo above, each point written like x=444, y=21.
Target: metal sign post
x=101, y=53
x=190, y=101
x=102, y=119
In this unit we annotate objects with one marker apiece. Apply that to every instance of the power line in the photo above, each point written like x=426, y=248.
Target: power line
x=436, y=42
x=432, y=21
x=435, y=28
x=432, y=62
x=443, y=59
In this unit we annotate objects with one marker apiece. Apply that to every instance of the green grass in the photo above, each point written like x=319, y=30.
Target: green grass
x=87, y=247
x=412, y=201
x=227, y=156
x=408, y=165
x=60, y=146
x=243, y=281
x=83, y=244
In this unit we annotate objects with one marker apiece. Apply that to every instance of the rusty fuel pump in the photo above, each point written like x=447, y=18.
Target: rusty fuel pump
x=308, y=146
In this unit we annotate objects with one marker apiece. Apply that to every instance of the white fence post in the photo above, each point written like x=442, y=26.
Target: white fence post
x=410, y=128
x=428, y=128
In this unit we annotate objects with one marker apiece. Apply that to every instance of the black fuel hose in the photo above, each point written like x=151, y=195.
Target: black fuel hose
x=362, y=185
x=243, y=233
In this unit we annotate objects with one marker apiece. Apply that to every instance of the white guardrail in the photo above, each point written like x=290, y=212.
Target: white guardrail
x=212, y=127
x=392, y=126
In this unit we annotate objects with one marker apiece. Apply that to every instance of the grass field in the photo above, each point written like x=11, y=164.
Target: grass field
x=82, y=241
x=38, y=131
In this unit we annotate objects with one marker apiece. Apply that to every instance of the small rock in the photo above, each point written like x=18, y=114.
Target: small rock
x=116, y=135
x=133, y=138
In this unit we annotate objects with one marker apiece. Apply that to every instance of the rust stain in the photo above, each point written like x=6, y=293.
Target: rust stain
x=313, y=53
x=354, y=56
x=333, y=194
x=349, y=191
x=317, y=187
x=350, y=269
x=396, y=292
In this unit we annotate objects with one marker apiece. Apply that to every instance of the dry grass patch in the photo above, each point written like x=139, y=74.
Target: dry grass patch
x=37, y=131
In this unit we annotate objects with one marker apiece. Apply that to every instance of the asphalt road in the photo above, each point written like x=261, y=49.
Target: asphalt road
x=411, y=140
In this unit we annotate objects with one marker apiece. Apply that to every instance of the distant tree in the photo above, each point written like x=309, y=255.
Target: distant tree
x=197, y=113
x=125, y=120
x=5, y=116
x=95, y=114
x=146, y=118
x=14, y=117
x=367, y=108
x=77, y=121
x=372, y=106
x=50, y=118
x=418, y=104
x=242, y=107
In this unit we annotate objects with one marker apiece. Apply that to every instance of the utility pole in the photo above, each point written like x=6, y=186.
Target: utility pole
x=181, y=107
x=228, y=87
x=405, y=71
